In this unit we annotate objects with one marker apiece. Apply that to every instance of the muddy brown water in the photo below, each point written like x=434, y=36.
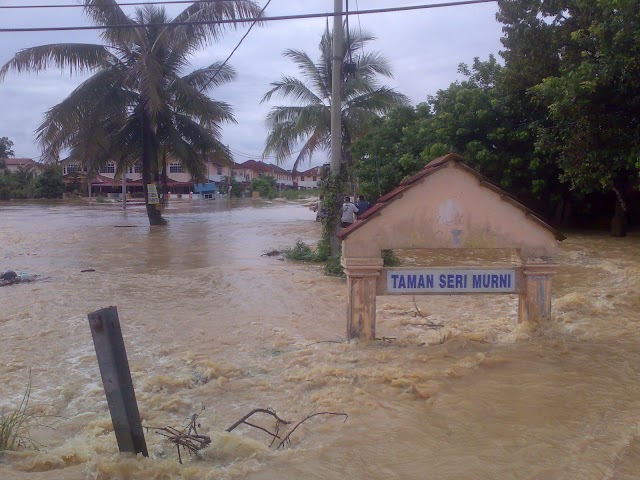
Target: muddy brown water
x=210, y=323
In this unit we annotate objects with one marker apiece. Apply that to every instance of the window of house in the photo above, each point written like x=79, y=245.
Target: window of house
x=315, y=179
x=260, y=174
x=138, y=168
x=301, y=178
x=108, y=168
x=176, y=168
x=219, y=170
x=71, y=168
x=233, y=173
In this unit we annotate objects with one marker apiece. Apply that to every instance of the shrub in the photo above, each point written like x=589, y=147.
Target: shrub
x=389, y=259
x=300, y=252
x=14, y=426
x=333, y=267
x=50, y=184
x=266, y=186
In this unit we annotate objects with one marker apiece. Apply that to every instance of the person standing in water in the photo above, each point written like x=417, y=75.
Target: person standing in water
x=349, y=211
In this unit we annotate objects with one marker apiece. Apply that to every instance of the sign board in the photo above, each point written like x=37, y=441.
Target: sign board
x=152, y=194
x=399, y=281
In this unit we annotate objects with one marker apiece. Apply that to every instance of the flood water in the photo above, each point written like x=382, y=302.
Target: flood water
x=209, y=322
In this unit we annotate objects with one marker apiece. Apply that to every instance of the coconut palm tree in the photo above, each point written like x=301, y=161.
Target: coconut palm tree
x=309, y=120
x=139, y=102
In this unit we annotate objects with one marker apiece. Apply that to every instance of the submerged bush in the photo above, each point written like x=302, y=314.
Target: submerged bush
x=300, y=252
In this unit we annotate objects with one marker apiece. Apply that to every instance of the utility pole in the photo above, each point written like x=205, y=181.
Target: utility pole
x=336, y=119
x=336, y=84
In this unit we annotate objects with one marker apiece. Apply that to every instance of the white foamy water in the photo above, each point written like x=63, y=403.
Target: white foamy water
x=210, y=323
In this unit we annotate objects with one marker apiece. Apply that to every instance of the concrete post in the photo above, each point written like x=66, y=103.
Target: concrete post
x=362, y=275
x=534, y=303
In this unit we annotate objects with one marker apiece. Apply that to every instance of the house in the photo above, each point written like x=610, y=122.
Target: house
x=309, y=178
x=179, y=181
x=16, y=164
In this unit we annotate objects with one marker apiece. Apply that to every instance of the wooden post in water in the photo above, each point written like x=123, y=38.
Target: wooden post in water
x=116, y=378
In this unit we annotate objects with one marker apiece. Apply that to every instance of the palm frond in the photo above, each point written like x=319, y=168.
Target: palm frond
x=77, y=57
x=372, y=64
x=108, y=13
x=292, y=88
x=188, y=100
x=379, y=101
x=288, y=126
x=209, y=77
x=317, y=141
x=96, y=99
x=316, y=74
x=191, y=37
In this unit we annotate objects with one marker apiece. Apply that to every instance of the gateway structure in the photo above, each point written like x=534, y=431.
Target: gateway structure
x=447, y=205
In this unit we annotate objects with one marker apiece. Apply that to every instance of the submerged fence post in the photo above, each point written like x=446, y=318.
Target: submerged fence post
x=116, y=378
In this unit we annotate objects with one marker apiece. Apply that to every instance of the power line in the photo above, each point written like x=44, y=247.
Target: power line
x=128, y=4
x=247, y=20
x=234, y=50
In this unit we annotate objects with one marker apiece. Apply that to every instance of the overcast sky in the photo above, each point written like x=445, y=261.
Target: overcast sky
x=424, y=48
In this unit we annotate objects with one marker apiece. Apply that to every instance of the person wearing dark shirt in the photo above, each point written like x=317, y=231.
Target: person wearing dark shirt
x=362, y=205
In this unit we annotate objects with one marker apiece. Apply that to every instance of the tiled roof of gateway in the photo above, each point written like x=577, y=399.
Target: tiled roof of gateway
x=430, y=168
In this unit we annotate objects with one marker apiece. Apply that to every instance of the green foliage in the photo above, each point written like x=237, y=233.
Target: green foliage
x=265, y=186
x=392, y=150
x=50, y=184
x=300, y=252
x=390, y=259
x=16, y=185
x=5, y=148
x=14, y=425
x=333, y=267
x=321, y=254
x=593, y=99
x=469, y=118
x=236, y=187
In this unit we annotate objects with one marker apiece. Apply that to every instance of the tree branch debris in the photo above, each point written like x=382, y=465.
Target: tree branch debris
x=190, y=441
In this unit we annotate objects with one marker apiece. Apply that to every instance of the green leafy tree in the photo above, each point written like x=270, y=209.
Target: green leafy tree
x=236, y=187
x=391, y=150
x=572, y=65
x=266, y=186
x=138, y=103
x=470, y=118
x=5, y=148
x=594, y=100
x=49, y=184
x=18, y=184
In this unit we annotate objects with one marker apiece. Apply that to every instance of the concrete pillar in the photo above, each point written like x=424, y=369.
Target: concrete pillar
x=362, y=275
x=534, y=303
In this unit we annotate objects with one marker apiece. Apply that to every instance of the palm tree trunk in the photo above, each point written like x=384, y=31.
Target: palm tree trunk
x=165, y=180
x=148, y=156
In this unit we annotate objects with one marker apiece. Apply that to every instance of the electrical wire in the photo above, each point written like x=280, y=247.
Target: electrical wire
x=204, y=87
x=248, y=20
x=126, y=4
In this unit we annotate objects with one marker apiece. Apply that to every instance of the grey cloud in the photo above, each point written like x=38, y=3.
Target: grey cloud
x=424, y=48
